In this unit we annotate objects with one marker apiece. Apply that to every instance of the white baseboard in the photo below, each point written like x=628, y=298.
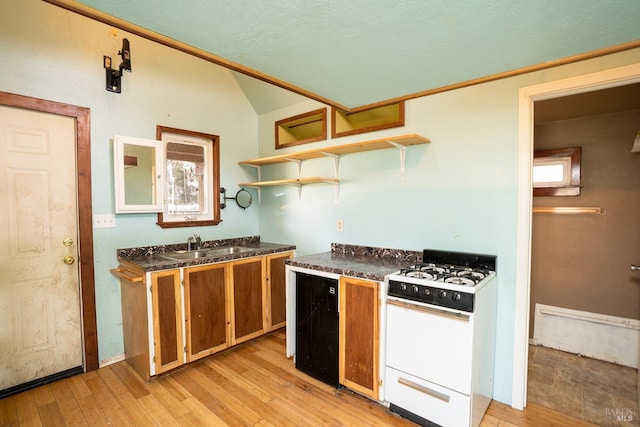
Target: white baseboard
x=111, y=360
x=609, y=338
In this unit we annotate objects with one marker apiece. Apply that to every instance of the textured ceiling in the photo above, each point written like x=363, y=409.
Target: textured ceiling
x=361, y=52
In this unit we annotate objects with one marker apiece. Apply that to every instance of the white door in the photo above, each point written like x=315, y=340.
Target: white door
x=40, y=328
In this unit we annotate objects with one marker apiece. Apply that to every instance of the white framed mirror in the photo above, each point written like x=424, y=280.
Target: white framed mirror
x=138, y=174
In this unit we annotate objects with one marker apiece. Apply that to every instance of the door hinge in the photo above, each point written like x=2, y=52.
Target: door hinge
x=154, y=358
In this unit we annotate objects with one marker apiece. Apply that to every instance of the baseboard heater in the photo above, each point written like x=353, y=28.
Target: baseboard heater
x=603, y=337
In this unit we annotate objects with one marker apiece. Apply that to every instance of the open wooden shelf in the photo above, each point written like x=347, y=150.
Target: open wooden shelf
x=334, y=152
x=338, y=150
x=298, y=181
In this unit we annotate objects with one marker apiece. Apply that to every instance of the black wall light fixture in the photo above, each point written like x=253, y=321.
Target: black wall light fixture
x=114, y=81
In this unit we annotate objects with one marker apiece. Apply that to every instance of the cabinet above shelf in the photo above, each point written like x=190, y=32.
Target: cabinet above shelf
x=338, y=150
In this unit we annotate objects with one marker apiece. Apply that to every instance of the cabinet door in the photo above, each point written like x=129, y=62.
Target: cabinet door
x=206, y=310
x=276, y=291
x=167, y=320
x=359, y=335
x=247, y=284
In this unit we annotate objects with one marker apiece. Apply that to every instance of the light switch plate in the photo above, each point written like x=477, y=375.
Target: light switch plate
x=104, y=221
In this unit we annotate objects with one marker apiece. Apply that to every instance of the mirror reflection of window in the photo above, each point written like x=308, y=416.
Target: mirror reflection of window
x=139, y=168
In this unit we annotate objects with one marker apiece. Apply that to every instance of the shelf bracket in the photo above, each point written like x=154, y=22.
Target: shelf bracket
x=298, y=164
x=336, y=162
x=403, y=154
x=258, y=169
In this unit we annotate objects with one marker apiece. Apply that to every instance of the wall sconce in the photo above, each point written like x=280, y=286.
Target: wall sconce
x=114, y=83
x=636, y=144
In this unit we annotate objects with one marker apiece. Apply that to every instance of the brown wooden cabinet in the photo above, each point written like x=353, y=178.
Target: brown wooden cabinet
x=206, y=310
x=276, y=302
x=247, y=292
x=220, y=305
x=359, y=335
x=166, y=296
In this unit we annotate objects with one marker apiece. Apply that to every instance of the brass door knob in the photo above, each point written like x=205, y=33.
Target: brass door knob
x=68, y=260
x=67, y=242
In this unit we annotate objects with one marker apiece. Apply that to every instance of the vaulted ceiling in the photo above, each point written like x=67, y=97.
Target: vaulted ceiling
x=354, y=53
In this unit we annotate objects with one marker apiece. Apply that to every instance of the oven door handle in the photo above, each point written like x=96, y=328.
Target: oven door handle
x=449, y=315
x=424, y=390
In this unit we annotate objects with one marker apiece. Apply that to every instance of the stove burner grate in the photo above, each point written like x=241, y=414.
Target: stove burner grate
x=445, y=273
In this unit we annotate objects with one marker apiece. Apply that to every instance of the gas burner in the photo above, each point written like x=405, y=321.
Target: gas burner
x=458, y=280
x=474, y=275
x=419, y=274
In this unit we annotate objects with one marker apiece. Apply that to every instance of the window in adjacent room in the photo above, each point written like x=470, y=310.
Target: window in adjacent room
x=557, y=172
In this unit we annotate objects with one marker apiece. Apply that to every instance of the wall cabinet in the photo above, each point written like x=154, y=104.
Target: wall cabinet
x=138, y=182
x=167, y=324
x=359, y=335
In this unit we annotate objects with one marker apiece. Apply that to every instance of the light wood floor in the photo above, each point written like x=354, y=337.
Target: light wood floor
x=252, y=384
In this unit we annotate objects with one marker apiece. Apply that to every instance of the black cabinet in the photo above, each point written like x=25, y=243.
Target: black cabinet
x=317, y=337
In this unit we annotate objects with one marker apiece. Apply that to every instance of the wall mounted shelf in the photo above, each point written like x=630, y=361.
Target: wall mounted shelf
x=568, y=210
x=334, y=152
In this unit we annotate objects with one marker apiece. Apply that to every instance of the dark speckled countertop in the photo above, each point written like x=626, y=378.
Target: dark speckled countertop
x=152, y=258
x=364, y=262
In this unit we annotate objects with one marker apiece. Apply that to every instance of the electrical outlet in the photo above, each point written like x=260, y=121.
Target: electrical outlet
x=340, y=225
x=104, y=221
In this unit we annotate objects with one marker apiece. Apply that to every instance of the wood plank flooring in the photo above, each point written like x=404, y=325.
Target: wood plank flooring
x=251, y=384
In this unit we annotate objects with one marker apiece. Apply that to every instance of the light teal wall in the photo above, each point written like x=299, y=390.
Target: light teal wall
x=458, y=193
x=56, y=55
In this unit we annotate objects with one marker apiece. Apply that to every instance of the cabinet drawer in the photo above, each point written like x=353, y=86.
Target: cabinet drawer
x=427, y=400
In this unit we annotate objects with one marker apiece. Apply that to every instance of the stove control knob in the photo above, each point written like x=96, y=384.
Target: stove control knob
x=414, y=289
x=403, y=286
x=456, y=296
x=427, y=291
x=442, y=294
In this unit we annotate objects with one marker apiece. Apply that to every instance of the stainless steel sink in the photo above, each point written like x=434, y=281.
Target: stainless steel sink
x=228, y=250
x=186, y=255
x=206, y=253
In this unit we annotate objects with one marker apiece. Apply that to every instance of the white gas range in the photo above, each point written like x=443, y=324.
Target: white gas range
x=440, y=338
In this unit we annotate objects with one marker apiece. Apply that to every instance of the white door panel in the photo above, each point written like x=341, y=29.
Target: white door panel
x=39, y=293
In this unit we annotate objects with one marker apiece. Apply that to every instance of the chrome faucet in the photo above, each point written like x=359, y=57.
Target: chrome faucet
x=198, y=242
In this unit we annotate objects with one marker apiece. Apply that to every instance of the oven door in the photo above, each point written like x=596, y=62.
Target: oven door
x=430, y=343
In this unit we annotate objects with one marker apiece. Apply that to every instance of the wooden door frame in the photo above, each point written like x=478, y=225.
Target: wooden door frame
x=82, y=116
x=623, y=75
